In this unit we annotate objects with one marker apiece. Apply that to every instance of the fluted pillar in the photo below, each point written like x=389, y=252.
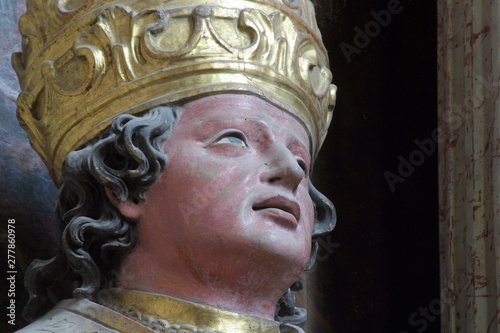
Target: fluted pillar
x=469, y=164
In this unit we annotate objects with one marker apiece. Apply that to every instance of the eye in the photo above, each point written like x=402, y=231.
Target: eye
x=236, y=139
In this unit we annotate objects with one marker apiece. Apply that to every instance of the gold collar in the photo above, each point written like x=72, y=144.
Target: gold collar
x=144, y=306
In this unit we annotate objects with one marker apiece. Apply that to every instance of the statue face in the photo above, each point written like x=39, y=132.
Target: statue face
x=232, y=209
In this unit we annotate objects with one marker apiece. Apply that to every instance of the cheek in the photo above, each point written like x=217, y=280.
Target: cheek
x=304, y=233
x=202, y=189
x=309, y=224
x=308, y=211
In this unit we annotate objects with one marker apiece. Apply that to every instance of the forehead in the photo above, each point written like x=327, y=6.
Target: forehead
x=227, y=109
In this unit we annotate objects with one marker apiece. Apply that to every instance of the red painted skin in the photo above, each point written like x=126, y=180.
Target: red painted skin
x=220, y=225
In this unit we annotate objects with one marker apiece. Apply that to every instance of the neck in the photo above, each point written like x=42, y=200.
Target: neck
x=248, y=291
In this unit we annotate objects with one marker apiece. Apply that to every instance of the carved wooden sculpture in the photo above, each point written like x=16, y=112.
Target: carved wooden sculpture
x=181, y=134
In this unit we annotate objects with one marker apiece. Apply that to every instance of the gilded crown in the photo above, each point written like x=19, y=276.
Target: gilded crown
x=86, y=61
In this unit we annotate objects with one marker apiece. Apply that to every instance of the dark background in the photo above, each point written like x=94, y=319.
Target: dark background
x=381, y=264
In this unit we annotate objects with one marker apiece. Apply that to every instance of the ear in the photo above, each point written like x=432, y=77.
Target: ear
x=128, y=208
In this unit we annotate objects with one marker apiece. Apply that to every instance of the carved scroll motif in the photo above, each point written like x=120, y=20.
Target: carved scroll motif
x=135, y=44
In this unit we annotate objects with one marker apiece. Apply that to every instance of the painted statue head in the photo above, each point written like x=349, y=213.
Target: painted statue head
x=182, y=136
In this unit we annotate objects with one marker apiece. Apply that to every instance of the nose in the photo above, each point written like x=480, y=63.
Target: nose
x=283, y=169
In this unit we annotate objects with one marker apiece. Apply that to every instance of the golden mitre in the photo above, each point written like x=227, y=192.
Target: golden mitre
x=86, y=61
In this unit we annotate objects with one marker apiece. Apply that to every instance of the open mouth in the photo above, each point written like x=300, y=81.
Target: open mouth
x=281, y=203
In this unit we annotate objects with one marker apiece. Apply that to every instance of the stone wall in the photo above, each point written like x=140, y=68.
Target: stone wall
x=469, y=152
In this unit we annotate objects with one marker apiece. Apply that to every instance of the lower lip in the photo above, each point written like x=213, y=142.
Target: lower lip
x=280, y=216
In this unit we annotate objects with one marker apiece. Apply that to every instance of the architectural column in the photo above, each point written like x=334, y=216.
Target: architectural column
x=469, y=164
